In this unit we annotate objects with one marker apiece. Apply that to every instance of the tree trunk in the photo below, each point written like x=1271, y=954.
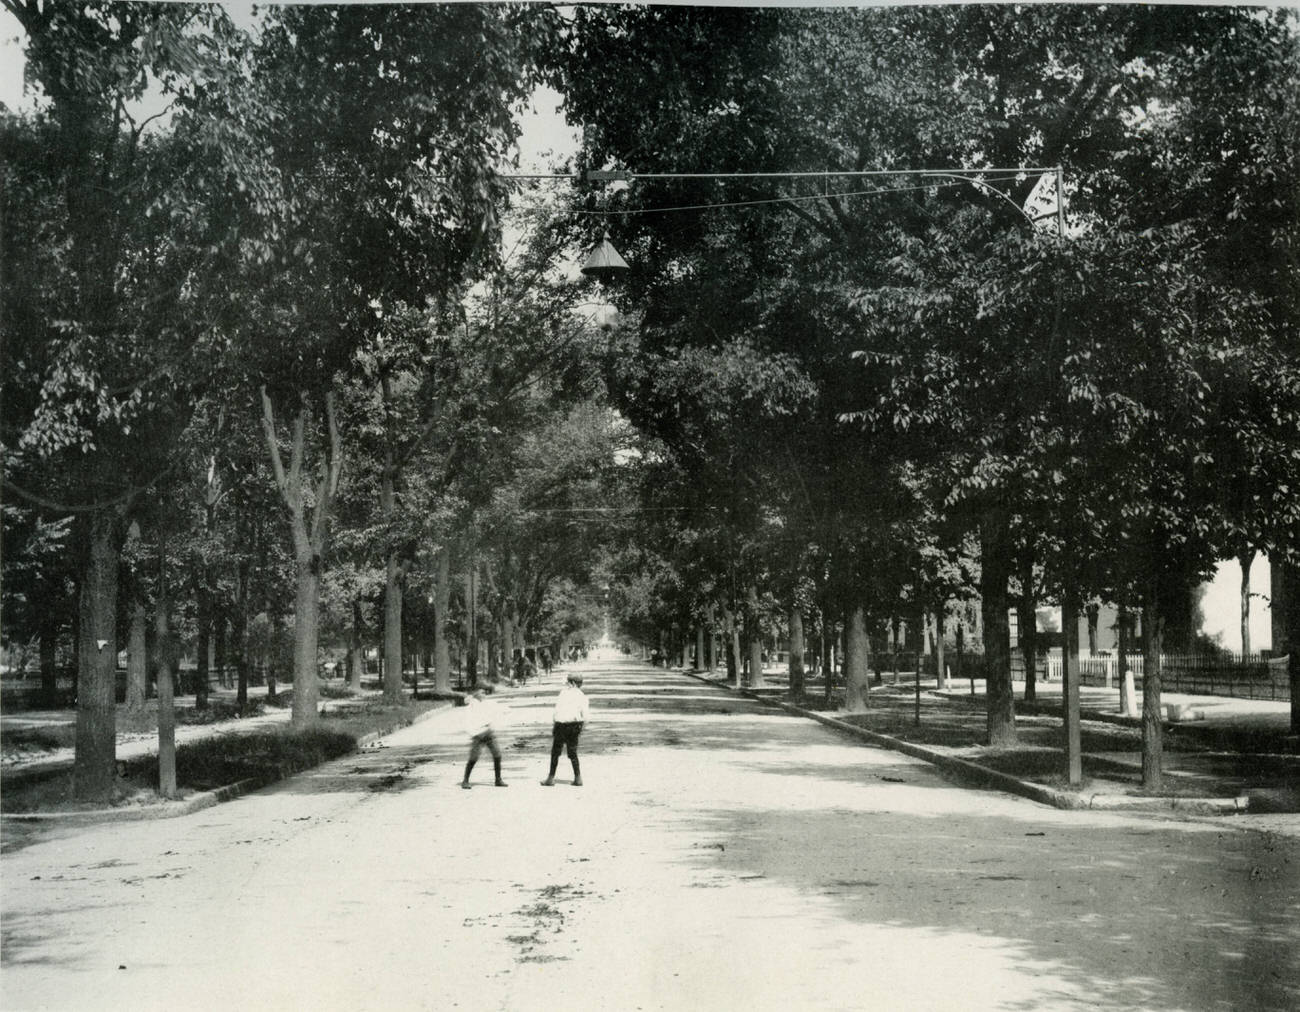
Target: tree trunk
x=1152, y=718
x=1027, y=614
x=796, y=654
x=441, y=607
x=961, y=633
x=699, y=646
x=167, y=652
x=754, y=632
x=729, y=653
x=827, y=658
x=893, y=649
x=940, y=661
x=308, y=542
x=392, y=629
x=306, y=632
x=857, y=671
x=1070, y=687
x=1245, y=559
x=994, y=574
x=738, y=665
x=471, y=619
x=494, y=652
x=393, y=660
x=1127, y=692
x=137, y=659
x=1285, y=615
x=95, y=762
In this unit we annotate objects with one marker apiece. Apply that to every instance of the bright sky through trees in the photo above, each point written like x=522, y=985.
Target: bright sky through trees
x=546, y=136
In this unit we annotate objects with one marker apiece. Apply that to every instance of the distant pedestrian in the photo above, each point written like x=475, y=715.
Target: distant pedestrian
x=567, y=721
x=546, y=661
x=482, y=718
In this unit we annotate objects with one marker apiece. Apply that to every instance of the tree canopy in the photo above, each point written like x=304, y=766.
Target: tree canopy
x=926, y=305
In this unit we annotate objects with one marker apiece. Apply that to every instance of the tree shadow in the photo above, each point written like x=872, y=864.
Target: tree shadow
x=1149, y=923
x=1139, y=914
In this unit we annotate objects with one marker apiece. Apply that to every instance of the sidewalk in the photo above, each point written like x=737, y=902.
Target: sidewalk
x=1270, y=718
x=31, y=738
x=1226, y=756
x=30, y=727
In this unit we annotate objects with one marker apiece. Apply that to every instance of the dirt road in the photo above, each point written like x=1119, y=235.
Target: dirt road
x=720, y=856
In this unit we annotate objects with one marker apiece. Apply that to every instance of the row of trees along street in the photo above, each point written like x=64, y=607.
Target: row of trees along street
x=272, y=343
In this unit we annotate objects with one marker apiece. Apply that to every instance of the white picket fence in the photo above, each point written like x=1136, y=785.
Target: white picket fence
x=1250, y=677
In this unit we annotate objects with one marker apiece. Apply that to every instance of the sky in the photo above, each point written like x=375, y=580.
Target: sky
x=1222, y=606
x=544, y=129
x=11, y=62
x=545, y=133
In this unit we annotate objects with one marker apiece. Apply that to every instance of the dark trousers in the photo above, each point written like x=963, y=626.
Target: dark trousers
x=479, y=742
x=564, y=737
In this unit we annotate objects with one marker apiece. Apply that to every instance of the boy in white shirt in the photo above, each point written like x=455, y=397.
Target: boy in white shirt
x=567, y=720
x=482, y=718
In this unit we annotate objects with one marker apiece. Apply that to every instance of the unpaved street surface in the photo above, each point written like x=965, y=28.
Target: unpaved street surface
x=721, y=855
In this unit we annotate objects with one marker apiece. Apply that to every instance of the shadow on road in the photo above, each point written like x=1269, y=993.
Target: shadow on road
x=1140, y=913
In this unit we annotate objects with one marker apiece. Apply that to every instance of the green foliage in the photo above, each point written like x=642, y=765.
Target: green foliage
x=1125, y=394
x=384, y=161
x=116, y=218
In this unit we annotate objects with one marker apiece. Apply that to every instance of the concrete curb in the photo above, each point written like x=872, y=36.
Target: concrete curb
x=968, y=770
x=200, y=799
x=194, y=803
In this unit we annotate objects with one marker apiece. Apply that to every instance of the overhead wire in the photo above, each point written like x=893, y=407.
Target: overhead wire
x=937, y=179
x=793, y=198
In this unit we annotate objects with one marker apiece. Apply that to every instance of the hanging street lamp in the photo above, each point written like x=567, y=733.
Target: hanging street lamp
x=604, y=261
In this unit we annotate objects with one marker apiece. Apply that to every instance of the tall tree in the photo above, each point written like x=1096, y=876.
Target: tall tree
x=126, y=223
x=388, y=123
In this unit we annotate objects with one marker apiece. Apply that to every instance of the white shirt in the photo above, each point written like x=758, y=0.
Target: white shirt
x=570, y=705
x=482, y=715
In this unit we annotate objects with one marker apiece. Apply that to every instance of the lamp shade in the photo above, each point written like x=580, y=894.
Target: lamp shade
x=603, y=261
